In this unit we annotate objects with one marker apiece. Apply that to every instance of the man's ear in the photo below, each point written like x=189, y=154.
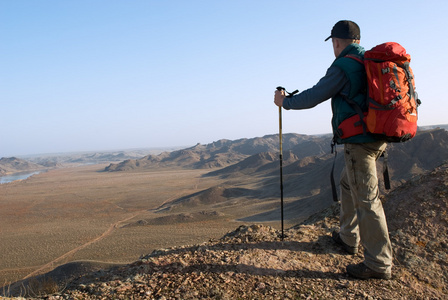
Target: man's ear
x=336, y=43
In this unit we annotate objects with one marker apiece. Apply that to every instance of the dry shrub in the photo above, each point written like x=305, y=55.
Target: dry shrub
x=44, y=286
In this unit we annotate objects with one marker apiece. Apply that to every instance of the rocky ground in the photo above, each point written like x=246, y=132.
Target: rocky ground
x=252, y=262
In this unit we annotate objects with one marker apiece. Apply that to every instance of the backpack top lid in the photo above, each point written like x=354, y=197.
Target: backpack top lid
x=390, y=51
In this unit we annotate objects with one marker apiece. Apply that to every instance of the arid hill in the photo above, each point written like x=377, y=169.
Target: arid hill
x=424, y=152
x=260, y=155
x=9, y=165
x=224, y=153
x=306, y=178
x=252, y=262
x=93, y=157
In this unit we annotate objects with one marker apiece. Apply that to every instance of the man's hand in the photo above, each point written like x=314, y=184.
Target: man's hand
x=279, y=96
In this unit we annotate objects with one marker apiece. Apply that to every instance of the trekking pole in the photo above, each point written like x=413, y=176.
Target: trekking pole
x=281, y=156
x=281, y=165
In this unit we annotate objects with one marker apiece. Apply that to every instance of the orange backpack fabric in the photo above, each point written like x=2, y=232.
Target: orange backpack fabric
x=392, y=100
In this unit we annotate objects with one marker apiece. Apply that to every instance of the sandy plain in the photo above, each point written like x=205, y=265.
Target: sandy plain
x=82, y=213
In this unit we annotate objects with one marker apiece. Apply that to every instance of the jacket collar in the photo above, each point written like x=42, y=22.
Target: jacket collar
x=352, y=49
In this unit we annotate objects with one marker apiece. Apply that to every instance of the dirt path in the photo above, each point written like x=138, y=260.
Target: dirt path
x=50, y=265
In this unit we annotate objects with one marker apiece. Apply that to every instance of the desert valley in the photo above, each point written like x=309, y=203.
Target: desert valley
x=118, y=210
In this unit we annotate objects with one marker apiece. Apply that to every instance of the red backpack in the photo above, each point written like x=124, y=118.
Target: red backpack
x=392, y=100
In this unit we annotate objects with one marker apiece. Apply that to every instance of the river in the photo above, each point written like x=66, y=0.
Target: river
x=17, y=176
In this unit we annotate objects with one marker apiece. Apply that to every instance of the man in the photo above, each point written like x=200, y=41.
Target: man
x=362, y=216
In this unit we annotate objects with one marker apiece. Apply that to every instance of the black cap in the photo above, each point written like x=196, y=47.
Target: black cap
x=345, y=30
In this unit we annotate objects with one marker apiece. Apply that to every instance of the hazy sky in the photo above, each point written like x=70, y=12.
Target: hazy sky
x=106, y=74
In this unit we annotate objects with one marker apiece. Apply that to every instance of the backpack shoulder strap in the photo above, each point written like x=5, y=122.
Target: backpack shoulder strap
x=355, y=57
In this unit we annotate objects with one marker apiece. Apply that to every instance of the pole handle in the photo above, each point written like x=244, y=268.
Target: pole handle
x=288, y=94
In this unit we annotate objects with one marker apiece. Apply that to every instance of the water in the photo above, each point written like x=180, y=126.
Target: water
x=17, y=176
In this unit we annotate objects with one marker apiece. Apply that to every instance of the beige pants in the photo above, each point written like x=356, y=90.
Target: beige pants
x=362, y=216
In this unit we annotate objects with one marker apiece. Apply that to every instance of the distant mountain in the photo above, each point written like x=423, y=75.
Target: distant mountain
x=9, y=165
x=224, y=153
x=90, y=157
x=427, y=150
x=430, y=127
x=305, y=178
x=301, y=154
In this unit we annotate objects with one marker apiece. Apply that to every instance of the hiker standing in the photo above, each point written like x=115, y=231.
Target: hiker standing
x=362, y=217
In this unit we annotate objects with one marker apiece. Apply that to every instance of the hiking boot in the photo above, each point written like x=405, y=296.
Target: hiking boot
x=337, y=239
x=361, y=271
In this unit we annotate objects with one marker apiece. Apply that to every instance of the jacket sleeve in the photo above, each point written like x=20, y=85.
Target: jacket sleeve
x=328, y=86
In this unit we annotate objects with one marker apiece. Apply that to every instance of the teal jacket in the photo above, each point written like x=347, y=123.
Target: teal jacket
x=356, y=91
x=345, y=78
